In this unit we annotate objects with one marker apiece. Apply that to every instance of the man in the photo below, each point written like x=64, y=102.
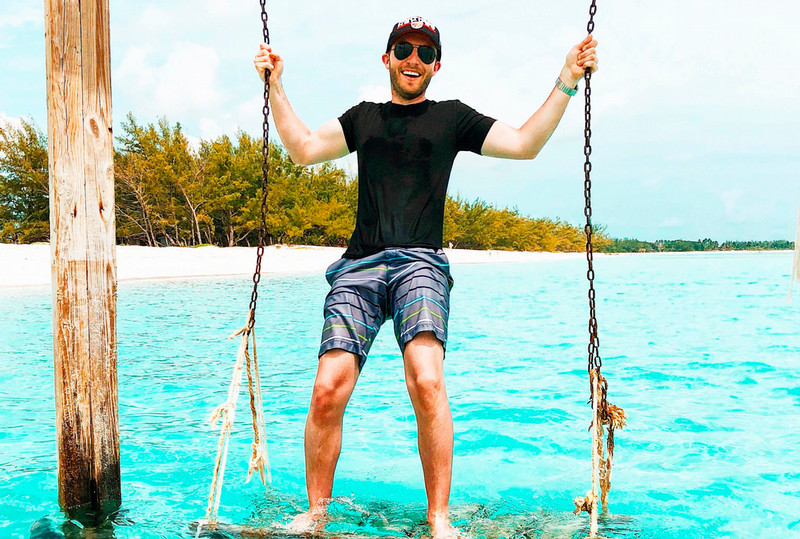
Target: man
x=394, y=266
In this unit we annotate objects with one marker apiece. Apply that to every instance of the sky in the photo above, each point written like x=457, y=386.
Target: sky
x=695, y=107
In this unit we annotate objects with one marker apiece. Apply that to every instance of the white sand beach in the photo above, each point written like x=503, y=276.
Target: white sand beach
x=29, y=265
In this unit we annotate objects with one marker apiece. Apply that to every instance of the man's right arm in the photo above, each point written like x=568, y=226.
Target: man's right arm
x=304, y=146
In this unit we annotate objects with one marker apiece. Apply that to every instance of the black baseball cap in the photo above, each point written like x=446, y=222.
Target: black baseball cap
x=416, y=24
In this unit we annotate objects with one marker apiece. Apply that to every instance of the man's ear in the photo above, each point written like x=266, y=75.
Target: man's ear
x=385, y=59
x=437, y=66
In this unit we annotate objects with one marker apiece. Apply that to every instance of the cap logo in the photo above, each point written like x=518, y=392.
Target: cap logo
x=417, y=23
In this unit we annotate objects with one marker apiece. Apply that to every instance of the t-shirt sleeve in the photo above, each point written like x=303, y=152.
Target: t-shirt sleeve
x=348, y=121
x=471, y=128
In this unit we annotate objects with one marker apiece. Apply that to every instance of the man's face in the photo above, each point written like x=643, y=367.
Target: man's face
x=410, y=77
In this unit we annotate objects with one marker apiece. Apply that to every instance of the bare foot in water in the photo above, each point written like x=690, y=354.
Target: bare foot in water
x=309, y=523
x=442, y=529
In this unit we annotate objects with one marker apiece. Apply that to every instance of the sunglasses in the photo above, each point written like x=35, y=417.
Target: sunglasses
x=404, y=49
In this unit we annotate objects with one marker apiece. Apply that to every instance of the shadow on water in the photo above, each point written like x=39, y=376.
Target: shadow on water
x=507, y=518
x=101, y=527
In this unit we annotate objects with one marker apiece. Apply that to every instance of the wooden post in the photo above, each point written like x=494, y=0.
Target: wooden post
x=83, y=256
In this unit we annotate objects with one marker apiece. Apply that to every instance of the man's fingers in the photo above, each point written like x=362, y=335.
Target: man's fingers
x=585, y=57
x=268, y=59
x=586, y=53
x=267, y=53
x=263, y=63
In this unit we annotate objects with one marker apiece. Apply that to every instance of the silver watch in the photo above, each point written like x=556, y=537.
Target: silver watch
x=566, y=89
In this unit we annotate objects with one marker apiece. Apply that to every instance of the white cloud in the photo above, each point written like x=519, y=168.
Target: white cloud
x=213, y=127
x=690, y=89
x=652, y=182
x=248, y=117
x=672, y=222
x=732, y=200
x=349, y=163
x=11, y=121
x=135, y=75
x=374, y=93
x=185, y=82
x=251, y=107
x=209, y=128
x=16, y=16
x=194, y=142
x=746, y=206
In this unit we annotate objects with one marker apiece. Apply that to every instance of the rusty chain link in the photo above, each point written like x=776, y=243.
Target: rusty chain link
x=594, y=361
x=262, y=229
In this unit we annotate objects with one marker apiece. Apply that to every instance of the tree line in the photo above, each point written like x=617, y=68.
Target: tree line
x=629, y=245
x=169, y=193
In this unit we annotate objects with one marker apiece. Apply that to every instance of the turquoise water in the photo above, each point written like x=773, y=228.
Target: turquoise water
x=701, y=350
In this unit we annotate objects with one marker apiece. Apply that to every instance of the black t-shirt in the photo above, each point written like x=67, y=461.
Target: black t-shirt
x=405, y=155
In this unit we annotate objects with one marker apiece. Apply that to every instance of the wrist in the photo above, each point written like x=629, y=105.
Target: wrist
x=567, y=78
x=569, y=90
x=275, y=89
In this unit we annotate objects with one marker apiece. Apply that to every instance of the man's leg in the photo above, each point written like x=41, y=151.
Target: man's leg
x=423, y=359
x=336, y=377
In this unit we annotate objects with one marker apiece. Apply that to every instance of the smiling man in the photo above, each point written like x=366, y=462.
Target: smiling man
x=394, y=266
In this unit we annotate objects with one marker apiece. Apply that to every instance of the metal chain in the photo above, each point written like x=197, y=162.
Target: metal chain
x=594, y=361
x=262, y=230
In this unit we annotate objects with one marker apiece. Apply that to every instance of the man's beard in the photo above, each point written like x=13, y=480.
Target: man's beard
x=394, y=76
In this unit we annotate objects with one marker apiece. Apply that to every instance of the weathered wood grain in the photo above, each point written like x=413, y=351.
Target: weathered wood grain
x=83, y=257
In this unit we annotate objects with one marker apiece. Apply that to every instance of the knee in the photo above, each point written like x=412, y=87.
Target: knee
x=426, y=388
x=328, y=400
x=336, y=376
x=424, y=372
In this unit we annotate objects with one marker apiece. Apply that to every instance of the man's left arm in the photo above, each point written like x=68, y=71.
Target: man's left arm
x=502, y=140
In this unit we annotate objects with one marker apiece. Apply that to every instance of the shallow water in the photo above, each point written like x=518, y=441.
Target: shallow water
x=701, y=350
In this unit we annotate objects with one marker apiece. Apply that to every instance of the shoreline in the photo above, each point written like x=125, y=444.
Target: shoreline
x=29, y=265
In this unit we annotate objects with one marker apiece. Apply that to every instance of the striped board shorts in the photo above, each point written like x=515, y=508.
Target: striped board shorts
x=411, y=285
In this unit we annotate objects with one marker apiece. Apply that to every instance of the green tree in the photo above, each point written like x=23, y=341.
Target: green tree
x=24, y=196
x=155, y=172
x=231, y=189
x=311, y=205
x=630, y=245
x=478, y=225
